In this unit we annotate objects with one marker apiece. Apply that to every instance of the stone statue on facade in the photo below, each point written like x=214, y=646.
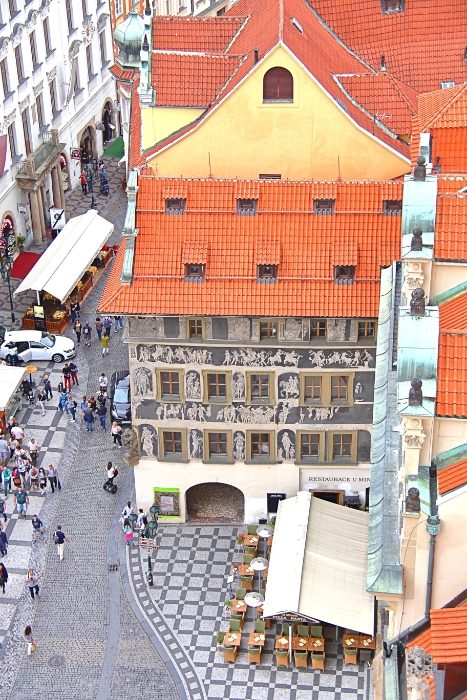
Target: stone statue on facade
x=412, y=501
x=417, y=242
x=417, y=302
x=415, y=392
x=131, y=442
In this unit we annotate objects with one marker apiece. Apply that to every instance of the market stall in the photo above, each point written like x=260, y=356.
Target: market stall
x=68, y=269
x=10, y=400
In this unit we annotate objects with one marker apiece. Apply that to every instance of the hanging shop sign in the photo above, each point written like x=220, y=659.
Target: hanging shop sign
x=57, y=218
x=76, y=154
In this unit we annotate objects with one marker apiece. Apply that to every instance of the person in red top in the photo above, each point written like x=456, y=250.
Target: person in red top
x=84, y=182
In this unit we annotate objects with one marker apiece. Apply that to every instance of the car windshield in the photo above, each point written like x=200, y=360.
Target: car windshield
x=121, y=395
x=48, y=340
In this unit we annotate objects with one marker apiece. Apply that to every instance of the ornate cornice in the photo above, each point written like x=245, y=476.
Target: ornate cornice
x=74, y=48
x=101, y=21
x=51, y=74
x=37, y=89
x=20, y=29
x=24, y=103
x=88, y=31
x=9, y=119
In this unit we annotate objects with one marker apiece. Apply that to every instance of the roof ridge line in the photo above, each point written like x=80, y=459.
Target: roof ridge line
x=195, y=53
x=281, y=20
x=448, y=104
x=393, y=82
x=240, y=63
x=245, y=20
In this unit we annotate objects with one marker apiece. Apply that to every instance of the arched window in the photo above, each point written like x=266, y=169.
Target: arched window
x=278, y=85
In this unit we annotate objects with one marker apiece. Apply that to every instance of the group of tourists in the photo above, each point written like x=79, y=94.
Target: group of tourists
x=103, y=329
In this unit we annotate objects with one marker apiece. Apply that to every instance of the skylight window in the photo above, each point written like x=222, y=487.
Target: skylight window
x=297, y=24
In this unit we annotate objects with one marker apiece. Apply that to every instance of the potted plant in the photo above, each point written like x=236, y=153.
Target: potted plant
x=20, y=240
x=240, y=538
x=220, y=638
x=272, y=522
x=228, y=603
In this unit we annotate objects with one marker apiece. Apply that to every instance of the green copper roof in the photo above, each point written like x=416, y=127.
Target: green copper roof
x=450, y=294
x=128, y=36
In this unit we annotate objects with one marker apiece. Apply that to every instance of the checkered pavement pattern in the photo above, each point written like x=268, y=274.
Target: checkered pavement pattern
x=190, y=574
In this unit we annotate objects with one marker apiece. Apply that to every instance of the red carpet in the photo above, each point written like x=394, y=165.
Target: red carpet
x=23, y=265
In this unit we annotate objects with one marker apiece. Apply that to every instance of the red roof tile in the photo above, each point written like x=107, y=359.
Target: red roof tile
x=451, y=224
x=451, y=395
x=198, y=34
x=450, y=146
x=452, y=477
x=135, y=156
x=451, y=183
x=285, y=222
x=190, y=80
x=449, y=635
x=453, y=315
x=121, y=74
x=424, y=641
x=195, y=252
x=443, y=108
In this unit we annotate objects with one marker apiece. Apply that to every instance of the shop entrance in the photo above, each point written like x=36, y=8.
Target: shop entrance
x=330, y=496
x=86, y=146
x=109, y=128
x=214, y=503
x=7, y=235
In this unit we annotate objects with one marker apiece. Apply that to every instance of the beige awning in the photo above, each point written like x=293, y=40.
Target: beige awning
x=318, y=564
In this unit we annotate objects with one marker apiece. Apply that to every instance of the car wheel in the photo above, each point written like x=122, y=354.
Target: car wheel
x=57, y=358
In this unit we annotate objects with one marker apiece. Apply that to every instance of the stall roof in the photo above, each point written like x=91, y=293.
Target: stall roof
x=68, y=257
x=10, y=379
x=318, y=564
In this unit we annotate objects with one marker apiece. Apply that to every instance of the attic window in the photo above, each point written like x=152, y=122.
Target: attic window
x=447, y=84
x=297, y=25
x=344, y=274
x=194, y=272
x=324, y=207
x=392, y=207
x=175, y=206
x=246, y=207
x=278, y=85
x=267, y=274
x=272, y=176
x=390, y=6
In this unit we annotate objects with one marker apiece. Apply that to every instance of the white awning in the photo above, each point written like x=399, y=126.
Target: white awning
x=10, y=379
x=68, y=257
x=320, y=576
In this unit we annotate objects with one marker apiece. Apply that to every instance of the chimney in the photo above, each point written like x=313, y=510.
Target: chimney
x=145, y=43
x=419, y=172
x=147, y=9
x=383, y=63
x=256, y=52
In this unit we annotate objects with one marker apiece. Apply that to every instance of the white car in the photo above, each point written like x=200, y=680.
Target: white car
x=36, y=345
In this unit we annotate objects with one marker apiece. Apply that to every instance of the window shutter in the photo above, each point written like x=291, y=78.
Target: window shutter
x=278, y=85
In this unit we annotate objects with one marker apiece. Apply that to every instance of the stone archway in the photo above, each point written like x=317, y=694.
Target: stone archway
x=8, y=232
x=108, y=120
x=214, y=503
x=88, y=145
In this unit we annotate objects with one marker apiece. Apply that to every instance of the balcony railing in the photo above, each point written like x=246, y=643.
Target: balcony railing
x=31, y=165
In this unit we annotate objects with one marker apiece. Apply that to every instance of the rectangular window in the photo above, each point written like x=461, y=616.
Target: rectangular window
x=267, y=273
x=344, y=273
x=118, y=7
x=12, y=141
x=175, y=207
x=19, y=63
x=5, y=81
x=194, y=273
x=39, y=110
x=32, y=43
x=246, y=207
x=53, y=100
x=27, y=137
x=195, y=328
x=217, y=445
x=318, y=329
x=84, y=8
x=312, y=388
x=170, y=386
x=341, y=445
x=260, y=388
x=268, y=330
x=89, y=60
x=12, y=7
x=392, y=207
x=102, y=47
x=311, y=446
x=366, y=329
x=77, y=85
x=326, y=389
x=172, y=443
x=69, y=16
x=390, y=6
x=324, y=207
x=217, y=387
x=269, y=176
x=45, y=27
x=339, y=389
x=260, y=446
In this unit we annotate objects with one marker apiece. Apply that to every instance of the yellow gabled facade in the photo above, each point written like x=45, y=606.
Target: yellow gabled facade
x=311, y=138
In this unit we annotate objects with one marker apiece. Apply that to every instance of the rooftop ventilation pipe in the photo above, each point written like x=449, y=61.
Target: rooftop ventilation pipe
x=256, y=52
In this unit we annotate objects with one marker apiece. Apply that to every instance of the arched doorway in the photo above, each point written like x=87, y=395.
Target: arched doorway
x=7, y=234
x=214, y=503
x=109, y=132
x=65, y=172
x=86, y=145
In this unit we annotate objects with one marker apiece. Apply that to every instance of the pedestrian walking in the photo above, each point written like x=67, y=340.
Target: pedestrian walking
x=52, y=477
x=102, y=412
x=12, y=445
x=77, y=330
x=84, y=182
x=32, y=646
x=21, y=501
x=42, y=400
x=118, y=323
x=6, y=480
x=3, y=577
x=4, y=452
x=34, y=478
x=88, y=417
x=30, y=397
x=3, y=510
x=42, y=479
x=139, y=519
x=32, y=581
x=33, y=449
x=23, y=468
x=3, y=543
x=66, y=377
x=112, y=472
x=105, y=345
x=93, y=402
x=12, y=356
x=37, y=527
x=72, y=406
x=47, y=387
x=127, y=511
x=99, y=327
x=87, y=334
x=107, y=325
x=103, y=383
x=63, y=402
x=16, y=477
x=60, y=539
x=84, y=403
x=127, y=529
x=116, y=433
x=18, y=433
x=74, y=373
x=101, y=398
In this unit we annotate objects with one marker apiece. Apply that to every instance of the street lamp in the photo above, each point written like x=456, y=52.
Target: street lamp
x=6, y=264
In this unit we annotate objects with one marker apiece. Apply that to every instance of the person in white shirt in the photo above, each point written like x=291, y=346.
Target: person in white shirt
x=103, y=383
x=18, y=433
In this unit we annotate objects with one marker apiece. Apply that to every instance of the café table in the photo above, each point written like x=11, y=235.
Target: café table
x=366, y=642
x=246, y=570
x=256, y=639
x=282, y=642
x=250, y=541
x=350, y=641
x=300, y=643
x=239, y=606
x=232, y=639
x=316, y=643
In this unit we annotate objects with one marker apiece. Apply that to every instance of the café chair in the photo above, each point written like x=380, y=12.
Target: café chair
x=366, y=655
x=281, y=657
x=262, y=592
x=247, y=582
x=230, y=653
x=285, y=629
x=265, y=575
x=234, y=625
x=251, y=529
x=247, y=558
x=260, y=627
x=254, y=655
x=302, y=631
x=240, y=593
x=250, y=549
x=350, y=656
x=301, y=658
x=317, y=659
x=240, y=617
x=267, y=622
x=316, y=631
x=353, y=633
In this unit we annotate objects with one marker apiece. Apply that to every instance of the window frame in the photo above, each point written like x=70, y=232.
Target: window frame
x=12, y=144
x=47, y=38
x=19, y=63
x=279, y=99
x=53, y=97
x=181, y=385
x=272, y=389
x=194, y=278
x=102, y=47
x=172, y=456
x=207, y=459
x=366, y=336
x=243, y=210
x=353, y=447
x=340, y=278
x=386, y=11
x=321, y=458
x=118, y=8
x=5, y=78
x=269, y=338
x=326, y=388
x=26, y=131
x=222, y=401
x=69, y=16
x=33, y=47
x=89, y=61
x=318, y=322
x=321, y=210
x=177, y=210
x=40, y=110
x=189, y=320
x=259, y=459
x=388, y=211
x=266, y=279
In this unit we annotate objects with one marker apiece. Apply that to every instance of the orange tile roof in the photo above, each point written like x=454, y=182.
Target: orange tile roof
x=424, y=641
x=451, y=224
x=451, y=183
x=451, y=395
x=450, y=146
x=121, y=74
x=452, y=477
x=267, y=251
x=177, y=191
x=135, y=157
x=198, y=34
x=453, y=315
x=389, y=101
x=190, y=80
x=443, y=108
x=286, y=222
x=449, y=635
x=195, y=252
x=422, y=46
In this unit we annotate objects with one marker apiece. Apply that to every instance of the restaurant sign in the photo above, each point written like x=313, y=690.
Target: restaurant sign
x=294, y=617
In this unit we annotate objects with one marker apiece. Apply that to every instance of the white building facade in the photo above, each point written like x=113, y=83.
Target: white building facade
x=55, y=89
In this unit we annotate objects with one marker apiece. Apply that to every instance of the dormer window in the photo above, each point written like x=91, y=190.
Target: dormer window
x=246, y=207
x=194, y=272
x=175, y=206
x=324, y=207
x=344, y=274
x=392, y=207
x=390, y=6
x=267, y=273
